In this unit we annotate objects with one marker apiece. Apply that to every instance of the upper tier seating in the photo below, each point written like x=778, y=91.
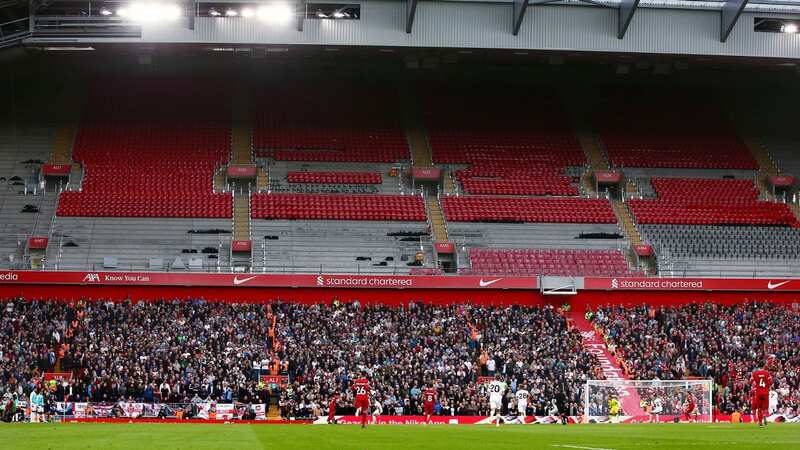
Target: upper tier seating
x=338, y=207
x=550, y=210
x=532, y=262
x=523, y=147
x=334, y=177
x=154, y=157
x=330, y=123
x=673, y=130
x=709, y=202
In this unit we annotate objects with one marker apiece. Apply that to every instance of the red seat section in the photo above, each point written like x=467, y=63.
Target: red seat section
x=709, y=202
x=519, y=209
x=502, y=261
x=671, y=130
x=329, y=123
x=149, y=148
x=514, y=144
x=410, y=208
x=335, y=177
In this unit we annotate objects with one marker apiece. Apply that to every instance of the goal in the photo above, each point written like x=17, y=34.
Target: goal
x=648, y=400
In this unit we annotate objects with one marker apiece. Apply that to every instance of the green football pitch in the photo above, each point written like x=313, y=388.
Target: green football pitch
x=244, y=436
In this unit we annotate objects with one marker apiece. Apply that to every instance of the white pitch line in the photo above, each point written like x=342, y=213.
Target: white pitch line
x=579, y=447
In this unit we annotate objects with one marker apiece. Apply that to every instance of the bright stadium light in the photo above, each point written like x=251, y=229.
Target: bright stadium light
x=789, y=28
x=231, y=13
x=214, y=12
x=338, y=15
x=171, y=12
x=248, y=13
x=105, y=12
x=276, y=13
x=151, y=12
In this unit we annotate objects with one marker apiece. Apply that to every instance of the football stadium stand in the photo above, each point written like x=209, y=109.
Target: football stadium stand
x=514, y=181
x=725, y=343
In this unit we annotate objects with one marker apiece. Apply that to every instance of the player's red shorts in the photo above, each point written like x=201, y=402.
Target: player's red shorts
x=363, y=403
x=761, y=401
x=687, y=413
x=428, y=407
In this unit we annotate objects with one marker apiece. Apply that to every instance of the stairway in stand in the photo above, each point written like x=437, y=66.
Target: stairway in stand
x=628, y=228
x=242, y=128
x=62, y=146
x=612, y=368
x=766, y=167
x=449, y=184
x=589, y=143
x=795, y=209
x=219, y=179
x=415, y=134
x=439, y=228
x=241, y=216
x=262, y=179
x=418, y=142
x=241, y=154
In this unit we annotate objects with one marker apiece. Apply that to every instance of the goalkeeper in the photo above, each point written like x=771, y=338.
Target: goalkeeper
x=613, y=409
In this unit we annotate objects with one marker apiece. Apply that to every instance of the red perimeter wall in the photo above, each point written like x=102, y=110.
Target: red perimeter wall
x=579, y=302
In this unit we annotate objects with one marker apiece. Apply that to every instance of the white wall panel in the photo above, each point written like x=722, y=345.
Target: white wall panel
x=488, y=25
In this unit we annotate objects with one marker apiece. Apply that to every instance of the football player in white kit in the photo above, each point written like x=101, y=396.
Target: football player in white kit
x=773, y=402
x=523, y=397
x=658, y=407
x=377, y=410
x=497, y=389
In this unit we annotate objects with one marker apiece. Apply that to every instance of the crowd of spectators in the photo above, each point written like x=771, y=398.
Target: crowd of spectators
x=193, y=351
x=403, y=349
x=724, y=343
x=168, y=351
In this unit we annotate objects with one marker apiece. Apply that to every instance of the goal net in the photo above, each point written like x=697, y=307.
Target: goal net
x=631, y=401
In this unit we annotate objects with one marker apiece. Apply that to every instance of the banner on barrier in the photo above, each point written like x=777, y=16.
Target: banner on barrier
x=444, y=420
x=268, y=280
x=692, y=284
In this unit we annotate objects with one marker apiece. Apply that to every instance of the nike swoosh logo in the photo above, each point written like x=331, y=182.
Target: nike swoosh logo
x=237, y=281
x=776, y=285
x=488, y=283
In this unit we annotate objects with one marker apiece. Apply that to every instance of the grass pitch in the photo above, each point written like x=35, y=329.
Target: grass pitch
x=345, y=437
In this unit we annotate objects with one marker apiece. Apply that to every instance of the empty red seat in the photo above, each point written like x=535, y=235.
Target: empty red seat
x=515, y=209
x=334, y=177
x=694, y=201
x=338, y=207
x=329, y=122
x=534, y=262
x=658, y=130
x=513, y=145
x=150, y=148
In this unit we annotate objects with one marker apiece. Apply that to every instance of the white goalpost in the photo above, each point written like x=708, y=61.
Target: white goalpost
x=636, y=401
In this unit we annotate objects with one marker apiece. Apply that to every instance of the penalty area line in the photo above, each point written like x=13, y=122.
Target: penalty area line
x=579, y=447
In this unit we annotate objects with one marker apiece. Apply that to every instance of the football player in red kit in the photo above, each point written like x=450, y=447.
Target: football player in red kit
x=361, y=389
x=428, y=401
x=760, y=384
x=689, y=409
x=332, y=408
